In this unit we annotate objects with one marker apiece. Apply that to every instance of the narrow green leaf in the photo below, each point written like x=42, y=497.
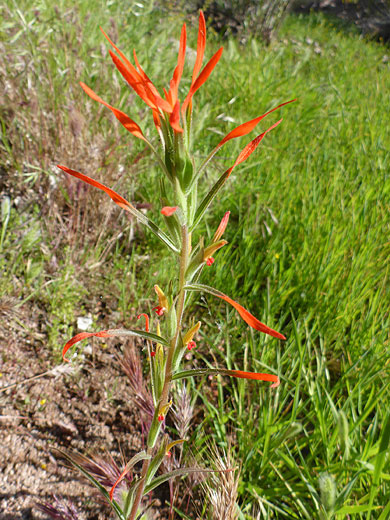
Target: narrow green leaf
x=385, y=513
x=142, y=455
x=344, y=494
x=208, y=199
x=172, y=474
x=380, y=460
x=154, y=229
x=141, y=334
x=130, y=495
x=157, y=459
x=226, y=372
x=350, y=510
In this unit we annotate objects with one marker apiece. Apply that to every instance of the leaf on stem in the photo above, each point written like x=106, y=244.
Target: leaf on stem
x=225, y=372
x=245, y=315
x=112, y=333
x=123, y=118
x=124, y=204
x=243, y=156
x=172, y=474
x=142, y=455
x=95, y=483
x=247, y=127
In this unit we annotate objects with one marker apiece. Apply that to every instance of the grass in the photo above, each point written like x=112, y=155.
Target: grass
x=308, y=236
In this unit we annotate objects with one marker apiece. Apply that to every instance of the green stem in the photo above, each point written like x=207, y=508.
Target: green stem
x=163, y=401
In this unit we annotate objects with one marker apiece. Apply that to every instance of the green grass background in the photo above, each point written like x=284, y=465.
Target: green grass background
x=308, y=235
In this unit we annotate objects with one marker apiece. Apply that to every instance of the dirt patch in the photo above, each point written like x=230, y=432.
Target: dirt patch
x=87, y=408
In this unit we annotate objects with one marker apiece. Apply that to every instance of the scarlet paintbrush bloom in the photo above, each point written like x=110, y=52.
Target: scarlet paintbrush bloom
x=138, y=80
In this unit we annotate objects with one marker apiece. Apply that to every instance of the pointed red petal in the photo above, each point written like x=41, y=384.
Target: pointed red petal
x=138, y=80
x=247, y=127
x=124, y=119
x=126, y=61
x=200, y=47
x=80, y=337
x=249, y=318
x=131, y=75
x=158, y=100
x=177, y=74
x=255, y=375
x=251, y=147
x=134, y=79
x=174, y=119
x=118, y=199
x=222, y=226
x=203, y=76
x=167, y=211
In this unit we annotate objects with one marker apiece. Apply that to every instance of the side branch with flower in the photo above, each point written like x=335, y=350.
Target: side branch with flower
x=174, y=331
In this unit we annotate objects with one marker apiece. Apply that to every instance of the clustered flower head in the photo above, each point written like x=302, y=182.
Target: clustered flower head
x=171, y=332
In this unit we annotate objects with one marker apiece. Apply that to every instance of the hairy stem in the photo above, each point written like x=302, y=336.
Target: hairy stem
x=163, y=401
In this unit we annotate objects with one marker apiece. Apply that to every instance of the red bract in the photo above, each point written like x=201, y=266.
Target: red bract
x=222, y=226
x=124, y=119
x=168, y=211
x=254, y=375
x=118, y=199
x=249, y=318
x=139, y=81
x=84, y=335
x=247, y=127
x=202, y=78
x=251, y=147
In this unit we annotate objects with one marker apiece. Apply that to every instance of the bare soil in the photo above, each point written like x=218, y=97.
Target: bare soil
x=88, y=409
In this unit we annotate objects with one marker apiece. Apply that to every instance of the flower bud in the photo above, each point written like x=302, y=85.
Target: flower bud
x=211, y=249
x=162, y=300
x=191, y=333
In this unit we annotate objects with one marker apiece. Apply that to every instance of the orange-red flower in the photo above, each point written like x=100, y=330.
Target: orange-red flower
x=168, y=211
x=139, y=81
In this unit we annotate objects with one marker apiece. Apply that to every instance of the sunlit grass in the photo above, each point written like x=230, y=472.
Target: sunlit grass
x=308, y=233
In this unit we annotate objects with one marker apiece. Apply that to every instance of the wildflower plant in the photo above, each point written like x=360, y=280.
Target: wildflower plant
x=174, y=331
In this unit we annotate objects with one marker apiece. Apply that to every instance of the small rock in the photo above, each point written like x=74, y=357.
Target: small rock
x=84, y=322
